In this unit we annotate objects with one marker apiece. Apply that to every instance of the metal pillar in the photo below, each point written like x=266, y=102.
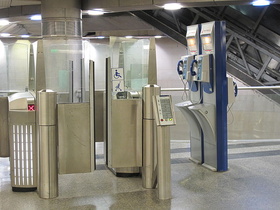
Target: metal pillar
x=61, y=18
x=148, y=136
x=164, y=164
x=48, y=163
x=4, y=130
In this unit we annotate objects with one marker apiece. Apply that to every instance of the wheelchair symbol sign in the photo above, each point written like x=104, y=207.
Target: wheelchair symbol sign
x=117, y=74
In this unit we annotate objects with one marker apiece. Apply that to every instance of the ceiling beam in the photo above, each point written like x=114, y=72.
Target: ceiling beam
x=172, y=33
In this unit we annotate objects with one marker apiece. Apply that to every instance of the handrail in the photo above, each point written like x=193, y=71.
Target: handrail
x=239, y=88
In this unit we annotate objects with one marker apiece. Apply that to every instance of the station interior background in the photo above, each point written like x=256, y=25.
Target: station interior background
x=253, y=116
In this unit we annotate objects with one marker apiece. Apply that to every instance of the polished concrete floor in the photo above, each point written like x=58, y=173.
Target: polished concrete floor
x=252, y=182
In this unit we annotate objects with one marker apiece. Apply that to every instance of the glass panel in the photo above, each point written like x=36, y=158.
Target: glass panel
x=18, y=62
x=131, y=55
x=14, y=66
x=253, y=116
x=3, y=69
x=97, y=52
x=63, y=60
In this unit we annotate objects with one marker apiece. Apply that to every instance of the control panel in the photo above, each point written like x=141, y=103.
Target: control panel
x=164, y=110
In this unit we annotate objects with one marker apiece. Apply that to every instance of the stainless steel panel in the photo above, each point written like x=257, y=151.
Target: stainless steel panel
x=152, y=69
x=125, y=148
x=4, y=129
x=48, y=170
x=100, y=108
x=148, y=92
x=149, y=160
x=149, y=130
x=23, y=149
x=47, y=138
x=92, y=112
x=20, y=101
x=164, y=163
x=74, y=138
x=40, y=67
x=47, y=107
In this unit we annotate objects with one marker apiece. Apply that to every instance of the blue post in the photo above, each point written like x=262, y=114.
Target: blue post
x=221, y=95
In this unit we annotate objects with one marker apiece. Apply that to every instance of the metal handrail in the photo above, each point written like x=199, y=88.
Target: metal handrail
x=239, y=88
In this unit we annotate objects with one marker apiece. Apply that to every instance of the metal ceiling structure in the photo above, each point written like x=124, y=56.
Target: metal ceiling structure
x=253, y=51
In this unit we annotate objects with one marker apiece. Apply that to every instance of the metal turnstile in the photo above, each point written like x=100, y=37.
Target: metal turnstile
x=22, y=137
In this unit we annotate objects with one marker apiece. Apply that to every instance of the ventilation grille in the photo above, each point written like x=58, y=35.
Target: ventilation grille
x=23, y=164
x=65, y=28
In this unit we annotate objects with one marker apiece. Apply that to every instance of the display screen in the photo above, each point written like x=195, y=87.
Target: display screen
x=192, y=45
x=31, y=107
x=166, y=109
x=191, y=42
x=207, y=43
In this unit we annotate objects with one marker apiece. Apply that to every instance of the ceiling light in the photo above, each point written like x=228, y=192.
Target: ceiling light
x=25, y=36
x=261, y=3
x=5, y=34
x=128, y=37
x=100, y=37
x=172, y=6
x=36, y=17
x=146, y=47
x=4, y=22
x=158, y=37
x=96, y=12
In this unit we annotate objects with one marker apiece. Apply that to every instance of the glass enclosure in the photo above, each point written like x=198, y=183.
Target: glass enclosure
x=129, y=60
x=96, y=52
x=14, y=67
x=3, y=69
x=63, y=68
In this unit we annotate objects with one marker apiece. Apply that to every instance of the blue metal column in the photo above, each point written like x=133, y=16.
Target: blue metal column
x=221, y=95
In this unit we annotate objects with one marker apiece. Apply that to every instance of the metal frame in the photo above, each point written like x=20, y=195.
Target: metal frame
x=255, y=67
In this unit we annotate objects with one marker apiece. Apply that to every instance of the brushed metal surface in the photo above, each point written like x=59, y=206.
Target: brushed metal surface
x=74, y=138
x=47, y=107
x=152, y=69
x=149, y=160
x=48, y=161
x=148, y=92
x=19, y=101
x=99, y=116
x=40, y=76
x=48, y=167
x=164, y=163
x=149, y=130
x=4, y=129
x=92, y=111
x=23, y=149
x=126, y=134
